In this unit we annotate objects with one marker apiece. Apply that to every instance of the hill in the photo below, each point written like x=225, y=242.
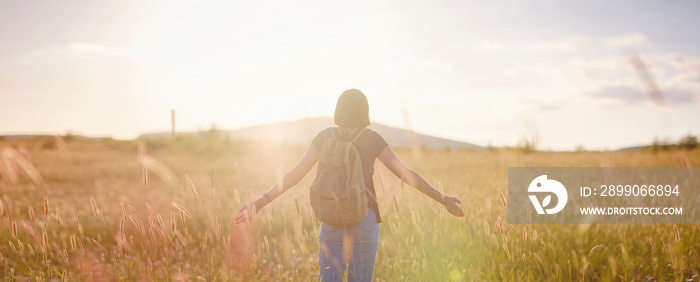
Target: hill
x=300, y=132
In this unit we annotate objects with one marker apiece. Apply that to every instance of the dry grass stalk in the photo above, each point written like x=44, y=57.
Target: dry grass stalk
x=75, y=218
x=503, y=198
x=133, y=210
x=625, y=257
x=46, y=205
x=150, y=210
x=181, y=208
x=135, y=222
x=181, y=238
x=65, y=258
x=46, y=224
x=612, y=265
x=57, y=215
x=266, y=243
x=509, y=226
x=122, y=242
x=396, y=203
x=8, y=169
x=160, y=221
x=678, y=234
x=538, y=258
x=213, y=169
x=121, y=225
x=45, y=239
x=525, y=219
x=72, y=242
x=505, y=246
x=94, y=206
x=62, y=147
x=542, y=243
x=99, y=245
x=144, y=173
x=585, y=264
x=13, y=163
x=159, y=168
x=190, y=186
x=237, y=197
x=296, y=202
x=173, y=224
x=160, y=233
x=497, y=226
x=141, y=150
x=415, y=218
x=28, y=226
x=25, y=154
x=593, y=250
x=14, y=250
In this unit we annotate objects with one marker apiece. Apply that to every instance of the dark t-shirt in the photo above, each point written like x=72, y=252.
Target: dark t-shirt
x=368, y=145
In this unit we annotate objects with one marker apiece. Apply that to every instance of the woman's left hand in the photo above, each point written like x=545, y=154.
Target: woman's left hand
x=450, y=204
x=248, y=212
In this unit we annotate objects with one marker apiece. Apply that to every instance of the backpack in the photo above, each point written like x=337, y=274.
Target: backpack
x=338, y=194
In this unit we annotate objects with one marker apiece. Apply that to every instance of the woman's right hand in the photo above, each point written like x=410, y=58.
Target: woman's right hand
x=450, y=204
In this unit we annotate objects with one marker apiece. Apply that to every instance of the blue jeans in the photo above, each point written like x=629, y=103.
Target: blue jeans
x=361, y=239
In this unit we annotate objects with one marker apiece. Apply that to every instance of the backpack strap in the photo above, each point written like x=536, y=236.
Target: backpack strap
x=352, y=142
x=328, y=159
x=357, y=136
x=336, y=132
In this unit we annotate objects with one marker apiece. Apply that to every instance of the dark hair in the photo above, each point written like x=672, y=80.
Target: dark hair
x=352, y=109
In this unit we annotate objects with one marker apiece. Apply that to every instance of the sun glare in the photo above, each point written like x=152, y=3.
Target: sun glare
x=293, y=54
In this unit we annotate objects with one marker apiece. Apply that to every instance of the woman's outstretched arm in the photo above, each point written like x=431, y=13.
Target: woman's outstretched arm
x=288, y=181
x=389, y=159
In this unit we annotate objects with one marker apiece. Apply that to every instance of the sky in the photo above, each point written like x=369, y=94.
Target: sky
x=485, y=72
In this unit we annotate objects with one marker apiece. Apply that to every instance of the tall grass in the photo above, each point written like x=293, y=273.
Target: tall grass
x=184, y=231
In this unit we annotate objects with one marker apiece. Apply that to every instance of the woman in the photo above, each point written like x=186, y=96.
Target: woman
x=351, y=114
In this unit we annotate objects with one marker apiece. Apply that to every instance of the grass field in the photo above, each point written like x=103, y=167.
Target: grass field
x=97, y=217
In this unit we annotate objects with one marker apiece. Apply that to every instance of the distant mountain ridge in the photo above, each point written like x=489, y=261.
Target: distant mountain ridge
x=301, y=132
